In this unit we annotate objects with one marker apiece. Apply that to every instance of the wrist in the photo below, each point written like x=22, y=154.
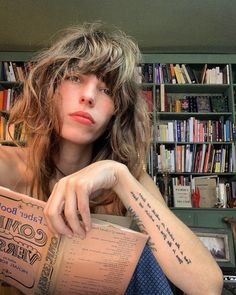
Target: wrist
x=123, y=181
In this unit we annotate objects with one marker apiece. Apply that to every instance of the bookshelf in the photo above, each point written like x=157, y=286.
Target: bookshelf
x=179, y=131
x=10, y=86
x=208, y=213
x=226, y=64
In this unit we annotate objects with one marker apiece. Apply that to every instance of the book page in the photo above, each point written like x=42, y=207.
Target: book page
x=101, y=264
x=125, y=221
x=24, y=238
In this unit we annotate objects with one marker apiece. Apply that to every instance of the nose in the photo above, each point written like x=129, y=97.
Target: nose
x=87, y=95
x=88, y=100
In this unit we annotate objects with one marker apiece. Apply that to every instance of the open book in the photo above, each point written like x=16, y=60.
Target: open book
x=35, y=262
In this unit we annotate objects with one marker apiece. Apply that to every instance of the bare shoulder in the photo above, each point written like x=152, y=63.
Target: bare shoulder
x=150, y=186
x=12, y=163
x=11, y=154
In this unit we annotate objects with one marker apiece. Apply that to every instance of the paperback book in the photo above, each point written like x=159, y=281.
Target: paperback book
x=36, y=262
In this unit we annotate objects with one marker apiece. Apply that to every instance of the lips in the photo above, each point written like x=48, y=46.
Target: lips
x=82, y=117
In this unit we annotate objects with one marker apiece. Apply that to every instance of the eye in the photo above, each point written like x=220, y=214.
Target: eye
x=107, y=91
x=73, y=78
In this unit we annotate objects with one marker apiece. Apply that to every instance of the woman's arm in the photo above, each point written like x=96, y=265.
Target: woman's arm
x=183, y=258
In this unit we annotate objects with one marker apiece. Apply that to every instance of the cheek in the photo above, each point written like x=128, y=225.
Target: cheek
x=108, y=107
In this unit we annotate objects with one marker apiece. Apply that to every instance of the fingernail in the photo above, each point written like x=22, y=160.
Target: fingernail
x=87, y=228
x=82, y=236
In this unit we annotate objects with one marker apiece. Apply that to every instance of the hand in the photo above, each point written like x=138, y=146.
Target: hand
x=71, y=194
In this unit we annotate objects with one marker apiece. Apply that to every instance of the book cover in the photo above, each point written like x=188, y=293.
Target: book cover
x=2, y=107
x=203, y=74
x=207, y=158
x=203, y=104
x=182, y=196
x=36, y=262
x=147, y=93
x=178, y=74
x=166, y=74
x=219, y=104
x=172, y=71
x=184, y=104
x=186, y=74
x=207, y=189
x=192, y=74
x=162, y=97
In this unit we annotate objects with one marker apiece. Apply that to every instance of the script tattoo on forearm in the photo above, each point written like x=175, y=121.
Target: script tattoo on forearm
x=137, y=220
x=141, y=227
x=163, y=229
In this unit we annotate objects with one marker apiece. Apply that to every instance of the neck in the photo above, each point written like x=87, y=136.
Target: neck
x=72, y=158
x=60, y=172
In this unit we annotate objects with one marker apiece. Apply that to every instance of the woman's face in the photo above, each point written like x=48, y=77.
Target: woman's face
x=85, y=109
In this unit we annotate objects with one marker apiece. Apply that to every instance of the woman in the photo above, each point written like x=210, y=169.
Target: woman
x=88, y=135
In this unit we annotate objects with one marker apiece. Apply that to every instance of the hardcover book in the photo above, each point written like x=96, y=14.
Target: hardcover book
x=207, y=188
x=219, y=104
x=192, y=74
x=147, y=93
x=203, y=104
x=182, y=196
x=36, y=262
x=184, y=104
x=203, y=74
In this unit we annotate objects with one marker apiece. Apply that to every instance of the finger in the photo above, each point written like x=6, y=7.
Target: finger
x=57, y=225
x=83, y=206
x=53, y=212
x=52, y=231
x=71, y=213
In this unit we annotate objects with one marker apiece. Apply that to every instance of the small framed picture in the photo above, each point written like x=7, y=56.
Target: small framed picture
x=220, y=244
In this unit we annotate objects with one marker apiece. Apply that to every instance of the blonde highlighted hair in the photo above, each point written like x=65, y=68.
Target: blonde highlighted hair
x=112, y=56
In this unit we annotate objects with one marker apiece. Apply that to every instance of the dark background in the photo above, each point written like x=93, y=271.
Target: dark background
x=198, y=26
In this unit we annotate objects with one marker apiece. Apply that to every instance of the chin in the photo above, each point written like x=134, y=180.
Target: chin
x=79, y=139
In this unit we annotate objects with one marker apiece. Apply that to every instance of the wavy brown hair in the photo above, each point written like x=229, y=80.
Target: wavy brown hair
x=112, y=56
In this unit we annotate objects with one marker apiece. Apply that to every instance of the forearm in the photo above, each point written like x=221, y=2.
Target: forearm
x=183, y=258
